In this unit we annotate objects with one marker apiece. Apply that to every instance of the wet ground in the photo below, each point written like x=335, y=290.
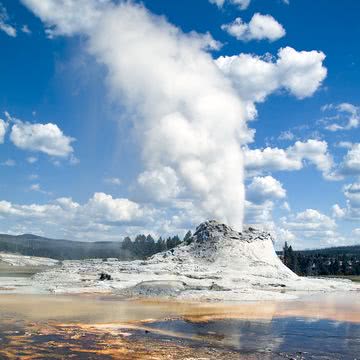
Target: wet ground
x=19, y=271
x=305, y=338
x=91, y=327
x=279, y=339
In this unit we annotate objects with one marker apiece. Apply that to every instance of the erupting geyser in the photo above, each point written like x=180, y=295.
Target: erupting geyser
x=189, y=121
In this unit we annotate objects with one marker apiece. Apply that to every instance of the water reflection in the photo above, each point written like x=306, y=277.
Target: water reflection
x=321, y=338
x=319, y=327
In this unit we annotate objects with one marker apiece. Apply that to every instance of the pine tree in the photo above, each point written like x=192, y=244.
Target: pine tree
x=344, y=265
x=187, y=237
x=127, y=244
x=149, y=246
x=286, y=254
x=160, y=245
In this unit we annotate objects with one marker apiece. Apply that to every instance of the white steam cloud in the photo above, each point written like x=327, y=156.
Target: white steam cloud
x=188, y=116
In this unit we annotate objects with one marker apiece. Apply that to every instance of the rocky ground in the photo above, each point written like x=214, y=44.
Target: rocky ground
x=21, y=260
x=217, y=263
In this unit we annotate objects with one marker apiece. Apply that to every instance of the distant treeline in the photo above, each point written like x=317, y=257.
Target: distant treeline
x=143, y=246
x=332, y=261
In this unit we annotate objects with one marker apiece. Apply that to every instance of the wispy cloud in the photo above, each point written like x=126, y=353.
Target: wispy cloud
x=112, y=181
x=344, y=116
x=9, y=162
x=5, y=26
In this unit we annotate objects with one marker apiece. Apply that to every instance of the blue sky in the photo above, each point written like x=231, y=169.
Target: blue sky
x=86, y=113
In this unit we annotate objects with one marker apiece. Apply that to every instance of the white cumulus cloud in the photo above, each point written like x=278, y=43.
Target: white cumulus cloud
x=351, y=162
x=351, y=211
x=352, y=193
x=100, y=218
x=105, y=208
x=259, y=214
x=265, y=188
x=356, y=232
x=338, y=212
x=45, y=138
x=299, y=72
x=311, y=228
x=67, y=17
x=260, y=27
x=291, y=159
x=3, y=128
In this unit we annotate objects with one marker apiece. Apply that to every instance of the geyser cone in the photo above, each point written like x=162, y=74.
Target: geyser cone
x=250, y=252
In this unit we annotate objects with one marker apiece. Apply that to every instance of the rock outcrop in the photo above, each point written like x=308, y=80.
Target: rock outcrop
x=218, y=247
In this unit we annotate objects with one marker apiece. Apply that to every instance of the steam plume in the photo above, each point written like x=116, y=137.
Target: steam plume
x=187, y=114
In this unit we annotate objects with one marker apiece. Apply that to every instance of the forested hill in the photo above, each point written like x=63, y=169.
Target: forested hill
x=340, y=250
x=33, y=245
x=142, y=247
x=139, y=248
x=343, y=260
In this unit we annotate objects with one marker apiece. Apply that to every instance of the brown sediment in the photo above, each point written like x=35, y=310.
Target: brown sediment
x=338, y=307
x=78, y=342
x=109, y=328
x=94, y=309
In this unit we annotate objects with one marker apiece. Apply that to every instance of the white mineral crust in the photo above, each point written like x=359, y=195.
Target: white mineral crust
x=217, y=263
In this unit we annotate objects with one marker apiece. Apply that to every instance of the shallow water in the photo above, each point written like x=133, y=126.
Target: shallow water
x=106, y=309
x=98, y=327
x=310, y=338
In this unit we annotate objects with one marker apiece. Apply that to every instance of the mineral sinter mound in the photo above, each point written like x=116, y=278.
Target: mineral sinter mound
x=216, y=263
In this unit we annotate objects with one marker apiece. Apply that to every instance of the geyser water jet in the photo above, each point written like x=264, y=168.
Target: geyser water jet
x=189, y=120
